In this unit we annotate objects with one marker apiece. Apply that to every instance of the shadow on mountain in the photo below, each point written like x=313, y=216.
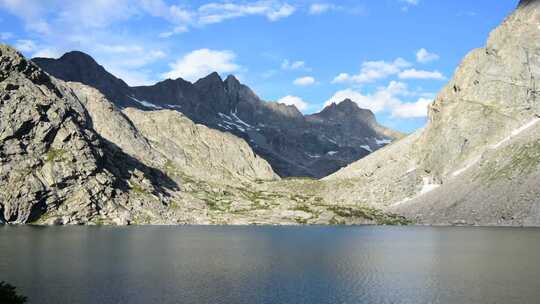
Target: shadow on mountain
x=125, y=167
x=8, y=294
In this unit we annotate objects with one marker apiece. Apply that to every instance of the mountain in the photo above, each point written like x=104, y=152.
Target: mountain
x=68, y=155
x=478, y=159
x=295, y=145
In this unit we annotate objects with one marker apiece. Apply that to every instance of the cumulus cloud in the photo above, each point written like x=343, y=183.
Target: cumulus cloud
x=373, y=70
x=421, y=74
x=321, y=8
x=411, y=2
x=408, y=3
x=424, y=56
x=304, y=81
x=385, y=99
x=416, y=109
x=25, y=45
x=47, y=53
x=295, y=65
x=184, y=18
x=200, y=63
x=296, y=101
x=60, y=26
x=218, y=12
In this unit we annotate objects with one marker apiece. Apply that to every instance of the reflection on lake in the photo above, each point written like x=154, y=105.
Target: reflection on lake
x=272, y=264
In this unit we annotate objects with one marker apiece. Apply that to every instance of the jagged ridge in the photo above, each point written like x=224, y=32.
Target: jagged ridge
x=295, y=145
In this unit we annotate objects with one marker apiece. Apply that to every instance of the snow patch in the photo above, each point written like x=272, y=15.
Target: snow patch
x=428, y=187
x=235, y=125
x=330, y=139
x=235, y=121
x=332, y=153
x=225, y=127
x=517, y=131
x=146, y=103
x=366, y=147
x=383, y=141
x=467, y=167
x=313, y=156
x=238, y=120
x=173, y=106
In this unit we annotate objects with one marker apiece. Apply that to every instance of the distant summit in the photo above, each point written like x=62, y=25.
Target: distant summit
x=295, y=145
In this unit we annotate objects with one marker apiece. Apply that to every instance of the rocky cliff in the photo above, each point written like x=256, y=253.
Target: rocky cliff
x=477, y=160
x=295, y=145
x=70, y=156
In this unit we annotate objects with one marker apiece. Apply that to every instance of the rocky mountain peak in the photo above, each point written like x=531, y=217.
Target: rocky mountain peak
x=294, y=144
x=80, y=58
x=80, y=67
x=232, y=85
x=523, y=3
x=211, y=81
x=347, y=109
x=232, y=80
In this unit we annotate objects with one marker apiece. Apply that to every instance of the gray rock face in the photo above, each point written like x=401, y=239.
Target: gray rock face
x=476, y=162
x=70, y=156
x=295, y=145
x=50, y=157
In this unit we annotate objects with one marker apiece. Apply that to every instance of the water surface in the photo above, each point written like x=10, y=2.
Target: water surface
x=272, y=264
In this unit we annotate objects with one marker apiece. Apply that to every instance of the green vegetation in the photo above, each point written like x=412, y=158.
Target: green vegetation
x=523, y=160
x=99, y=221
x=301, y=221
x=372, y=214
x=55, y=155
x=141, y=219
x=302, y=208
x=138, y=189
x=170, y=169
x=8, y=294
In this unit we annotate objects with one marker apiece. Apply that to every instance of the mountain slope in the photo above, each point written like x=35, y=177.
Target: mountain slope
x=70, y=156
x=295, y=145
x=476, y=161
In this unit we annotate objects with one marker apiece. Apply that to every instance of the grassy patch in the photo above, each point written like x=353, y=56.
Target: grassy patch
x=372, y=214
x=55, y=155
x=302, y=208
x=141, y=219
x=138, y=189
x=523, y=160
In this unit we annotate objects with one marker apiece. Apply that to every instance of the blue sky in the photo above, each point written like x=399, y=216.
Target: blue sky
x=391, y=56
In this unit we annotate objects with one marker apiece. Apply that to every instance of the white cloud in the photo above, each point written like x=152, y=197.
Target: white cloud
x=420, y=74
x=385, y=99
x=217, y=12
x=304, y=81
x=200, y=63
x=6, y=35
x=295, y=65
x=424, y=56
x=320, y=8
x=416, y=109
x=87, y=26
x=296, y=101
x=133, y=77
x=26, y=46
x=47, y=53
x=409, y=3
x=31, y=11
x=373, y=70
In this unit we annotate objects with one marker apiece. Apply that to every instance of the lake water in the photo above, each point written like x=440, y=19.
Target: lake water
x=272, y=264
